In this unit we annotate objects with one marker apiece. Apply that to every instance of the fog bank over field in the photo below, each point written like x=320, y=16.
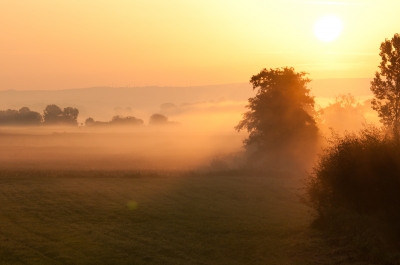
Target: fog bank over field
x=200, y=124
x=147, y=148
x=101, y=103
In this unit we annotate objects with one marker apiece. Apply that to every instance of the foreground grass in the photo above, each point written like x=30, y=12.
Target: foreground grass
x=123, y=217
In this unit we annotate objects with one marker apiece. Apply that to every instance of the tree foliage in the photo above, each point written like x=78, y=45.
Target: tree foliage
x=158, y=119
x=89, y=121
x=386, y=85
x=70, y=115
x=24, y=116
x=281, y=115
x=128, y=120
x=117, y=120
x=53, y=115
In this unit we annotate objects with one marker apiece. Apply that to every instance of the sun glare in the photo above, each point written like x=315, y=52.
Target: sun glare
x=328, y=28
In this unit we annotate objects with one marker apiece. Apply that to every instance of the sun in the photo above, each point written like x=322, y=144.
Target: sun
x=328, y=28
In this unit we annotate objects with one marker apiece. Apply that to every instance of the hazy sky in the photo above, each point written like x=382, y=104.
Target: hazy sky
x=47, y=44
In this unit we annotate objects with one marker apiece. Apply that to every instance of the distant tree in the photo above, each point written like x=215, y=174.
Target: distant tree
x=386, y=85
x=70, y=116
x=157, y=119
x=167, y=106
x=119, y=110
x=116, y=120
x=8, y=117
x=53, y=114
x=280, y=119
x=22, y=117
x=24, y=110
x=345, y=114
x=28, y=117
x=129, y=120
x=89, y=121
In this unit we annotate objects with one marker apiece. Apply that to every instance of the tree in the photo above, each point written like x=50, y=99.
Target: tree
x=21, y=117
x=53, y=114
x=386, y=85
x=27, y=117
x=89, y=121
x=158, y=119
x=280, y=117
x=128, y=120
x=70, y=116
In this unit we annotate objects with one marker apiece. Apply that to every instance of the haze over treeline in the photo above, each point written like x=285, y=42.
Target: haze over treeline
x=206, y=114
x=103, y=102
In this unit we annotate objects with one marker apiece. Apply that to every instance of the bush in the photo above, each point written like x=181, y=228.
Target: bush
x=357, y=172
x=354, y=190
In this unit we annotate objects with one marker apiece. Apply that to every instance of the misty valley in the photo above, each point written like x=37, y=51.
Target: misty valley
x=176, y=188
x=200, y=132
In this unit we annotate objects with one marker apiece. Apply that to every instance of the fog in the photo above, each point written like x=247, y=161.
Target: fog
x=200, y=125
x=101, y=103
x=113, y=148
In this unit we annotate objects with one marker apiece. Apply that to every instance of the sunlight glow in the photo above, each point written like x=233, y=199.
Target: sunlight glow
x=328, y=28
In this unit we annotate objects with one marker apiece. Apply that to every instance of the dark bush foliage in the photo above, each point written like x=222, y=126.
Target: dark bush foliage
x=360, y=173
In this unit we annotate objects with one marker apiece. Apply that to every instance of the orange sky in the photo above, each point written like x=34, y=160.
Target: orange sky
x=47, y=44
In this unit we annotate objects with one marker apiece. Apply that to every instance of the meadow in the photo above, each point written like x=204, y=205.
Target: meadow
x=166, y=217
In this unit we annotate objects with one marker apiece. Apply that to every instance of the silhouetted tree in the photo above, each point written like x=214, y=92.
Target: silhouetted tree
x=89, y=121
x=70, y=116
x=280, y=117
x=116, y=120
x=386, y=85
x=27, y=117
x=157, y=119
x=129, y=120
x=24, y=116
x=167, y=106
x=24, y=110
x=54, y=115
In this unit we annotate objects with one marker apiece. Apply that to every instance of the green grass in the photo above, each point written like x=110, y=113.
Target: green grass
x=126, y=217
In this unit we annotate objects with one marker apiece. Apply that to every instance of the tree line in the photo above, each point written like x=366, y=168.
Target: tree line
x=118, y=120
x=54, y=115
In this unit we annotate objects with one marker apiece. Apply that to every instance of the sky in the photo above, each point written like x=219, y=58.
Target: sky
x=46, y=44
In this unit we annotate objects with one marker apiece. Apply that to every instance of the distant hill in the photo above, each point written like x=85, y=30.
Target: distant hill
x=100, y=102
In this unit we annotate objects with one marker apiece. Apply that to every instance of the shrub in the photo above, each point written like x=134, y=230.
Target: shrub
x=359, y=173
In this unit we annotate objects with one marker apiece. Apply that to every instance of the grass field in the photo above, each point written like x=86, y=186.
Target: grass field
x=126, y=217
